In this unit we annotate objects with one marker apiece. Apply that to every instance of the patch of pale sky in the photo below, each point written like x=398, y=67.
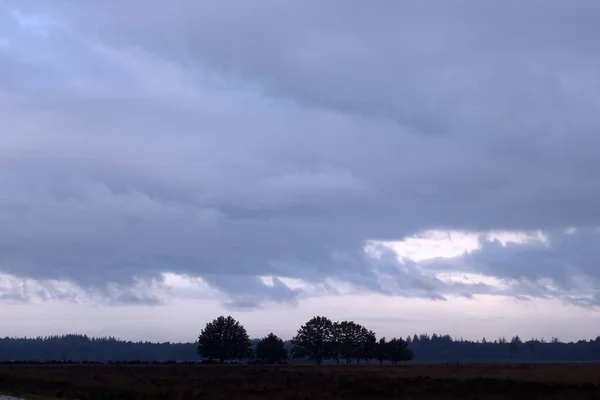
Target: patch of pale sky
x=445, y=244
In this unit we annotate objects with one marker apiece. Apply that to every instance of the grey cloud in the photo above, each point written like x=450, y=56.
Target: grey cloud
x=14, y=291
x=130, y=298
x=217, y=139
x=15, y=297
x=402, y=61
x=14, y=294
x=564, y=258
x=563, y=266
x=27, y=290
x=412, y=279
x=588, y=301
x=250, y=291
x=49, y=291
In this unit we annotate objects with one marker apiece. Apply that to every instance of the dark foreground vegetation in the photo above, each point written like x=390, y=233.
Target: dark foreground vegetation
x=483, y=381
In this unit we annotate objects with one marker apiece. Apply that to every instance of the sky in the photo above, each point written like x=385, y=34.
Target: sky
x=415, y=166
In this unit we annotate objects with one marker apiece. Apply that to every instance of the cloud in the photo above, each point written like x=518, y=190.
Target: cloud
x=26, y=290
x=250, y=291
x=225, y=141
x=562, y=265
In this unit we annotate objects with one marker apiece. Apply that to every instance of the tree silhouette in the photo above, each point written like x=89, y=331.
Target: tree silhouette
x=297, y=352
x=531, y=346
x=512, y=348
x=381, y=350
x=314, y=339
x=224, y=339
x=335, y=346
x=367, y=343
x=514, y=344
x=349, y=334
x=398, y=350
x=270, y=349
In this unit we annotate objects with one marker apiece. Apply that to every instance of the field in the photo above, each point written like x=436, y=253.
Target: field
x=465, y=382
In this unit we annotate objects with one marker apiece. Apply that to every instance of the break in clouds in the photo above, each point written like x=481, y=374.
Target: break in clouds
x=235, y=140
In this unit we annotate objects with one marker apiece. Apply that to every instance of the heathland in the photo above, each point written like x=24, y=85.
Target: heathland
x=474, y=381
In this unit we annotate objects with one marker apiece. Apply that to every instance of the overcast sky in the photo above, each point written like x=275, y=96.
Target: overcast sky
x=416, y=166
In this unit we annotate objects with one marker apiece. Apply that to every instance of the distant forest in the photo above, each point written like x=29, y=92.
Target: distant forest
x=434, y=348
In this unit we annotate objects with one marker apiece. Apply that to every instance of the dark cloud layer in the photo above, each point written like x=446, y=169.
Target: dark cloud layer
x=232, y=140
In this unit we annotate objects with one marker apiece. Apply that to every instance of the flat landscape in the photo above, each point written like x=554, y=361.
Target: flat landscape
x=465, y=382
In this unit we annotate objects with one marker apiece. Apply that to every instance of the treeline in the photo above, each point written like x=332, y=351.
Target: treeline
x=75, y=347
x=443, y=348
x=320, y=339
x=340, y=342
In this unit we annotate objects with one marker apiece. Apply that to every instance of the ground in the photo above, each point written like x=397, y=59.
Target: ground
x=465, y=382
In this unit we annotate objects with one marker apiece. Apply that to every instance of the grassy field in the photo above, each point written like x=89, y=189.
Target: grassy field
x=466, y=382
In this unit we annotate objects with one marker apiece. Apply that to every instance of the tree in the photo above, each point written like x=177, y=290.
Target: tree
x=512, y=348
x=381, y=350
x=270, y=349
x=314, y=339
x=349, y=335
x=251, y=354
x=367, y=343
x=398, y=350
x=335, y=346
x=224, y=339
x=298, y=352
x=531, y=345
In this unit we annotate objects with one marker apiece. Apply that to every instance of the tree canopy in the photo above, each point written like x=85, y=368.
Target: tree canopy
x=351, y=340
x=314, y=339
x=224, y=339
x=398, y=350
x=347, y=336
x=271, y=349
x=366, y=345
